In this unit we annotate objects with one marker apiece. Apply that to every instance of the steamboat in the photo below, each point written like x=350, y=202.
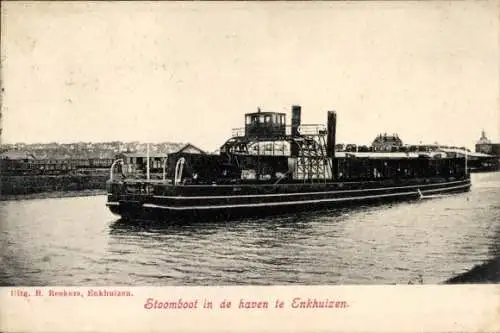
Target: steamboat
x=269, y=167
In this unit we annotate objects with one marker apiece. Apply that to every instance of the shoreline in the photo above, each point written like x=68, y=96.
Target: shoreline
x=487, y=272
x=55, y=194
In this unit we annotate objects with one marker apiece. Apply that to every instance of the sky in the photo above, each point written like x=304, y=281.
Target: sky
x=188, y=72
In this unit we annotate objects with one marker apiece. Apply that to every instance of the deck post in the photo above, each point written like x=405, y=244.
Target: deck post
x=465, y=153
x=165, y=167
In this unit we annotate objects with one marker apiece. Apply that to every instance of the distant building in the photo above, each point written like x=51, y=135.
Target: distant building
x=351, y=147
x=491, y=154
x=484, y=145
x=483, y=140
x=384, y=142
x=17, y=156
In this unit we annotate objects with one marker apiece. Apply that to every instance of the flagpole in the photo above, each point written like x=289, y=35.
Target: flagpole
x=147, y=161
x=466, y=161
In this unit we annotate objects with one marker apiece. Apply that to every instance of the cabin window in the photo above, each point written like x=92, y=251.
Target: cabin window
x=261, y=119
x=275, y=118
x=248, y=120
x=283, y=119
x=267, y=119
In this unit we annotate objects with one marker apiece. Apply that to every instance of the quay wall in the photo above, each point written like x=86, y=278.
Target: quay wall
x=31, y=184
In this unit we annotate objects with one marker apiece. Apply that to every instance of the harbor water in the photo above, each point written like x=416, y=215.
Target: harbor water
x=77, y=241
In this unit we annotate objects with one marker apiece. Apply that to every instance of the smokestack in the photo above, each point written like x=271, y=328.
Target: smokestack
x=294, y=148
x=296, y=110
x=330, y=140
x=332, y=130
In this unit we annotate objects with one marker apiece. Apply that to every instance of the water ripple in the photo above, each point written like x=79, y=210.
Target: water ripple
x=51, y=242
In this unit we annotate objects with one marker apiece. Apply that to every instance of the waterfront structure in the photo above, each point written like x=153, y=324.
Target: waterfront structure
x=24, y=164
x=17, y=156
x=384, y=142
x=485, y=146
x=489, y=159
x=78, y=166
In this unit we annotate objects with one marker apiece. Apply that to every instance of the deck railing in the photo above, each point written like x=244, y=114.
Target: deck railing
x=307, y=129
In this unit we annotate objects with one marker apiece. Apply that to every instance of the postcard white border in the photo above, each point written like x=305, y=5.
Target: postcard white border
x=397, y=308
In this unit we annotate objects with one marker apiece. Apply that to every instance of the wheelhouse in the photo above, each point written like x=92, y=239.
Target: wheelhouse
x=265, y=124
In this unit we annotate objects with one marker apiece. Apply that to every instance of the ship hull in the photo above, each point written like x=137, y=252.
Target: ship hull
x=220, y=202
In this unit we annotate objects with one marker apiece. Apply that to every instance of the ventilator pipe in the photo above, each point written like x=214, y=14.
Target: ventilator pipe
x=112, y=167
x=178, y=170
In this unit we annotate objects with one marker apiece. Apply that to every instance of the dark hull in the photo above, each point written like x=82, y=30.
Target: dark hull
x=212, y=205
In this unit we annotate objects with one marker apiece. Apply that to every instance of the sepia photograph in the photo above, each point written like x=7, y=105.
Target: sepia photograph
x=212, y=144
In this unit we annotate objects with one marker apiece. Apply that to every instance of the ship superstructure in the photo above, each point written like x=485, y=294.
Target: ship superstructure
x=269, y=166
